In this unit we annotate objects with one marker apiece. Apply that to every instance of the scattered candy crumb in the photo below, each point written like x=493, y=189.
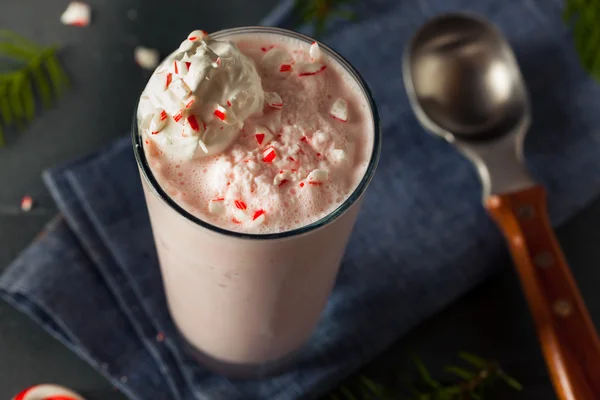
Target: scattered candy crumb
x=26, y=203
x=77, y=14
x=146, y=58
x=160, y=337
x=339, y=110
x=47, y=392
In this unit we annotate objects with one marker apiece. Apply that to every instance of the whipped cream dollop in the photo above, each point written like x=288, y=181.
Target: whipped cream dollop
x=196, y=102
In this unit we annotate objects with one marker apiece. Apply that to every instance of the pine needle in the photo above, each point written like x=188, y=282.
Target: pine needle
x=34, y=72
x=584, y=17
x=319, y=12
x=471, y=384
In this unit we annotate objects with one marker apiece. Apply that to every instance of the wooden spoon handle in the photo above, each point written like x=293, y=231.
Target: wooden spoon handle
x=567, y=334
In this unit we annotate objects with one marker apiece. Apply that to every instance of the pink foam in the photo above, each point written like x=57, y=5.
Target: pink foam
x=271, y=177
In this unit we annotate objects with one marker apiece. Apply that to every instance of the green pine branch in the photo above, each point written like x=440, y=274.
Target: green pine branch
x=584, y=17
x=28, y=72
x=318, y=12
x=473, y=381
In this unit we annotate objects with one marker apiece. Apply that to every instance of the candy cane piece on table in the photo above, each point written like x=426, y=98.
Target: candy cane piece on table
x=47, y=392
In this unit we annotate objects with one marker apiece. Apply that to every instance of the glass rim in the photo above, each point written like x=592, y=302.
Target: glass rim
x=148, y=176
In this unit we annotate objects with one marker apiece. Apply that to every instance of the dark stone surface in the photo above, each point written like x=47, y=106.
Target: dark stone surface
x=491, y=321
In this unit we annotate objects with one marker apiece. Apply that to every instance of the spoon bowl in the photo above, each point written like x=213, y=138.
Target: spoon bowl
x=465, y=79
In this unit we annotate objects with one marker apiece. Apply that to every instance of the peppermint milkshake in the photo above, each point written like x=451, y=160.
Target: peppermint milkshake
x=255, y=146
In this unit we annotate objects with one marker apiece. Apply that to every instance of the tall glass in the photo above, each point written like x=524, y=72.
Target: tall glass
x=246, y=302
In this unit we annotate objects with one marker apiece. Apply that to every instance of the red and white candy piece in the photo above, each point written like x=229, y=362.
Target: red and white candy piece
x=197, y=35
x=306, y=69
x=259, y=217
x=146, y=58
x=202, y=145
x=239, y=211
x=180, y=68
x=26, y=203
x=314, y=52
x=317, y=177
x=269, y=155
x=225, y=114
x=180, y=90
x=193, y=126
x=216, y=206
x=337, y=155
x=273, y=100
x=77, y=14
x=283, y=177
x=277, y=60
x=159, y=121
x=189, y=102
x=47, y=392
x=262, y=135
x=339, y=110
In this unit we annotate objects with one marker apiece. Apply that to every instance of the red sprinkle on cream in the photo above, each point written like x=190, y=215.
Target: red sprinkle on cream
x=193, y=123
x=313, y=72
x=220, y=114
x=285, y=67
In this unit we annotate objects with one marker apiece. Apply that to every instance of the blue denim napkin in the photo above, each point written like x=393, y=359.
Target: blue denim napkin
x=422, y=238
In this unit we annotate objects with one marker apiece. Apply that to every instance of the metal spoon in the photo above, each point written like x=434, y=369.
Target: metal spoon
x=464, y=85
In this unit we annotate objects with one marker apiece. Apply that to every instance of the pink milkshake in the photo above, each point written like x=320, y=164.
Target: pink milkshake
x=255, y=146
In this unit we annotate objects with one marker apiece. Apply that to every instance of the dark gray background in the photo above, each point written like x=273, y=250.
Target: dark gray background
x=491, y=321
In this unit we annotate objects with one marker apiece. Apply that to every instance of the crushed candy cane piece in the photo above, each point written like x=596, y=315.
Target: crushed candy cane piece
x=277, y=59
x=77, y=13
x=197, y=35
x=216, y=206
x=273, y=100
x=189, y=103
x=26, y=203
x=146, y=58
x=178, y=116
x=239, y=204
x=192, y=126
x=159, y=121
x=305, y=69
x=168, y=80
x=317, y=177
x=203, y=146
x=180, y=67
x=225, y=115
x=259, y=217
x=314, y=52
x=262, y=135
x=339, y=110
x=283, y=177
x=269, y=155
x=320, y=138
x=220, y=113
x=47, y=392
x=180, y=90
x=337, y=155
x=240, y=215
